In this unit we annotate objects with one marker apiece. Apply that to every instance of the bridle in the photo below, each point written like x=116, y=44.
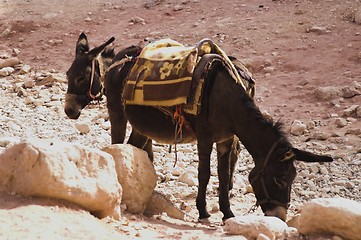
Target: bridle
x=102, y=77
x=260, y=177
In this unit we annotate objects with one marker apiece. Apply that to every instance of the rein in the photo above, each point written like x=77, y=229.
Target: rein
x=102, y=75
x=260, y=176
x=92, y=80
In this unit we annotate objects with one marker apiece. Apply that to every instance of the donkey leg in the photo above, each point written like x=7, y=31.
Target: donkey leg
x=118, y=124
x=140, y=141
x=224, y=154
x=204, y=173
x=236, y=149
x=116, y=110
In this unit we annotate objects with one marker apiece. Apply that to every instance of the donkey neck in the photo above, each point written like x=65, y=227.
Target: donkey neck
x=255, y=131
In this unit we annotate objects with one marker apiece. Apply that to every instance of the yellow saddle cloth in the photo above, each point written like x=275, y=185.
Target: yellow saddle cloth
x=162, y=73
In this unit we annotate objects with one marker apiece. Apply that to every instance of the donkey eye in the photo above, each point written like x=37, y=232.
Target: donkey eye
x=80, y=79
x=280, y=183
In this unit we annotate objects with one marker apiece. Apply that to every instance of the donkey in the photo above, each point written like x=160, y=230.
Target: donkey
x=228, y=115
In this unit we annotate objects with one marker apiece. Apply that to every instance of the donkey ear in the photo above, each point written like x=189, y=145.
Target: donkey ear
x=310, y=157
x=82, y=45
x=95, y=51
x=108, y=52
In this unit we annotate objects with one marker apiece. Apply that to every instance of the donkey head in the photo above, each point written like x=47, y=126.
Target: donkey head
x=272, y=178
x=86, y=75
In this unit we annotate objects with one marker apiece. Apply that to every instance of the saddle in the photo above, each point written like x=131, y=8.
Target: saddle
x=166, y=74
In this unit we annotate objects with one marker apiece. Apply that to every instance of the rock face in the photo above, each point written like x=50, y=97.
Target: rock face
x=136, y=174
x=61, y=170
x=338, y=216
x=252, y=227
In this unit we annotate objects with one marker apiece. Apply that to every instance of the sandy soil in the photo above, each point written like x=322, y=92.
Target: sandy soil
x=292, y=48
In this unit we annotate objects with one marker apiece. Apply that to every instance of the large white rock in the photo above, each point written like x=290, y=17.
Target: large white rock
x=252, y=226
x=337, y=216
x=136, y=174
x=61, y=170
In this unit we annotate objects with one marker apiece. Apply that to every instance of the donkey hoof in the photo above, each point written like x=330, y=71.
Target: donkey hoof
x=227, y=216
x=204, y=220
x=204, y=217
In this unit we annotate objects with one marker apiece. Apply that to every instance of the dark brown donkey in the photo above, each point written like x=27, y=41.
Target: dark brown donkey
x=228, y=113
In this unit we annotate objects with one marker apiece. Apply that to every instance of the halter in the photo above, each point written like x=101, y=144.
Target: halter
x=102, y=74
x=260, y=176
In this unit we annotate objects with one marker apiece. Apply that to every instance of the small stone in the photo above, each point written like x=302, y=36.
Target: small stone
x=29, y=100
x=9, y=62
x=327, y=93
x=25, y=69
x=320, y=135
x=137, y=20
x=263, y=237
x=106, y=125
x=358, y=112
x=29, y=84
x=314, y=168
x=87, y=19
x=349, y=185
x=357, y=17
x=83, y=128
x=318, y=30
x=188, y=177
x=323, y=170
x=298, y=128
x=310, y=125
x=351, y=110
x=15, y=51
x=38, y=102
x=177, y=171
x=354, y=131
x=249, y=188
x=178, y=7
x=340, y=122
x=6, y=71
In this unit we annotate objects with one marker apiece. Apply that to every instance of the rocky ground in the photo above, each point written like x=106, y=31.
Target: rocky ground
x=305, y=57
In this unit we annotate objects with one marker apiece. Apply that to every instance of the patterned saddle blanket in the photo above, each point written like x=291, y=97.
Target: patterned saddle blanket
x=163, y=75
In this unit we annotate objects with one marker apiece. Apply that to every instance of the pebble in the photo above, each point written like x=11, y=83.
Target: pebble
x=314, y=168
x=106, y=125
x=340, y=122
x=29, y=84
x=178, y=7
x=137, y=20
x=318, y=30
x=189, y=177
x=83, y=128
x=9, y=62
x=351, y=110
x=323, y=170
x=298, y=128
x=319, y=135
x=6, y=71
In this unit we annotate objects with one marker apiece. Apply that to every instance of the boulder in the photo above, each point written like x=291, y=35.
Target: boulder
x=337, y=216
x=136, y=174
x=252, y=227
x=61, y=170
